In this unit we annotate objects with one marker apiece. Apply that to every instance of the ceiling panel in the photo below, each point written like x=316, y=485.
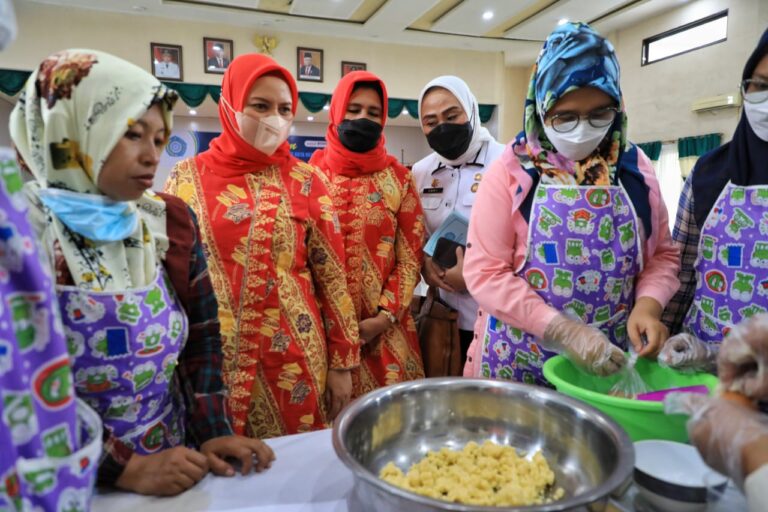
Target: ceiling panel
x=467, y=17
x=540, y=25
x=338, y=9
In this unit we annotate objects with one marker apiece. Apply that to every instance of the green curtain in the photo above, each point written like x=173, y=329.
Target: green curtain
x=697, y=146
x=314, y=101
x=486, y=112
x=194, y=94
x=691, y=148
x=12, y=80
x=652, y=149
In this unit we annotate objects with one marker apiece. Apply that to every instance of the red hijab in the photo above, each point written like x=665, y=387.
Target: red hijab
x=230, y=155
x=335, y=157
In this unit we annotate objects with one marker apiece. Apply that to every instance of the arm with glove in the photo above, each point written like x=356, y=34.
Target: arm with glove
x=731, y=436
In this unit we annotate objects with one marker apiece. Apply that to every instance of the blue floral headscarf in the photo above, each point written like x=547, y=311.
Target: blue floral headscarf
x=573, y=56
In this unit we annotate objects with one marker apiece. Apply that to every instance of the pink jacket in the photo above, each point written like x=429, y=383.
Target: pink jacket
x=497, y=245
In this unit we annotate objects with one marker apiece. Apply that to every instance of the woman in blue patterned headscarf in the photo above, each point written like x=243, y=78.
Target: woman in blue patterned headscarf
x=573, y=57
x=572, y=268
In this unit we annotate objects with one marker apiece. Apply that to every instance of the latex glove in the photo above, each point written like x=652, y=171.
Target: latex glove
x=731, y=438
x=743, y=359
x=685, y=351
x=584, y=345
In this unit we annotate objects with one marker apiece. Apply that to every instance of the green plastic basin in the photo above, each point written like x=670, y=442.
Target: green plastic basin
x=642, y=420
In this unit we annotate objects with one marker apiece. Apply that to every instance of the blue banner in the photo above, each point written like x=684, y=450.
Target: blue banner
x=302, y=146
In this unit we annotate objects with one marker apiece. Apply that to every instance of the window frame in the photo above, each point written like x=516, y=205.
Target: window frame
x=682, y=28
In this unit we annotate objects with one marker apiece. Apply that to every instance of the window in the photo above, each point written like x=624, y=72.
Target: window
x=698, y=34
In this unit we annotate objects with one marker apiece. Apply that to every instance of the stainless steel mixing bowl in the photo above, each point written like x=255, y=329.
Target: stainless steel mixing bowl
x=589, y=453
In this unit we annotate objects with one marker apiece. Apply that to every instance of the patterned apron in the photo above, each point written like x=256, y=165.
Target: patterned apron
x=732, y=265
x=126, y=347
x=49, y=442
x=583, y=256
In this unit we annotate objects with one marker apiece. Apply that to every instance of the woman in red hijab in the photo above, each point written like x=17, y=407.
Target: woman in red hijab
x=275, y=255
x=383, y=227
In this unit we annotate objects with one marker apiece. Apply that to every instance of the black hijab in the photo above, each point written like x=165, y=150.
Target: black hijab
x=743, y=160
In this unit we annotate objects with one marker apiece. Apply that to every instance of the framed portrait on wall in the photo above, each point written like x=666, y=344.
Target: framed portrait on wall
x=217, y=54
x=348, y=67
x=166, y=61
x=309, y=64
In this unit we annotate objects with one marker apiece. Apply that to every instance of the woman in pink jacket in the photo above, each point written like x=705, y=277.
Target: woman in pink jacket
x=582, y=260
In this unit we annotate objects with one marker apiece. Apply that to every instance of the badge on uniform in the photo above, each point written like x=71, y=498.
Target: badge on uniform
x=432, y=190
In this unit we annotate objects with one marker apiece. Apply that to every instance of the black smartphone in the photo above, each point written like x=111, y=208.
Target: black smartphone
x=445, y=252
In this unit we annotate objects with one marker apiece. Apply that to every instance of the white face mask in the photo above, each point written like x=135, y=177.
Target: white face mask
x=579, y=143
x=757, y=115
x=265, y=133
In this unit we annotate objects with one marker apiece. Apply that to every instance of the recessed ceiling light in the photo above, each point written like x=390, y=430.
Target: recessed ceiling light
x=562, y=21
x=310, y=118
x=192, y=112
x=487, y=15
x=139, y=8
x=326, y=107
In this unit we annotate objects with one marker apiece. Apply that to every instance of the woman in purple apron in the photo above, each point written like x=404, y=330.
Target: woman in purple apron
x=722, y=227
x=139, y=315
x=49, y=442
x=579, y=261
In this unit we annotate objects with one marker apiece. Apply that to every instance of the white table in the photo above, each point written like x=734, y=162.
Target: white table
x=306, y=477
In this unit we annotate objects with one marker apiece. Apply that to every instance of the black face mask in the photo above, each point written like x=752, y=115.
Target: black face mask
x=359, y=135
x=450, y=140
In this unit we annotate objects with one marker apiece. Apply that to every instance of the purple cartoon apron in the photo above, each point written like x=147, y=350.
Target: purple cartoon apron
x=50, y=443
x=732, y=265
x=125, y=346
x=583, y=257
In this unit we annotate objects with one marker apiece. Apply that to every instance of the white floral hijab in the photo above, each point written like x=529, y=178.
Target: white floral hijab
x=73, y=111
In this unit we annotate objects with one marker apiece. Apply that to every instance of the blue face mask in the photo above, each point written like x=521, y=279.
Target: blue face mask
x=97, y=218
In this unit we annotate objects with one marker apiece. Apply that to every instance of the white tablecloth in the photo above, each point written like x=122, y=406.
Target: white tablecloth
x=306, y=477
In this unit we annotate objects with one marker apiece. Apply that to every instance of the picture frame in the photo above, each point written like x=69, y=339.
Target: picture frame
x=217, y=54
x=348, y=67
x=166, y=62
x=309, y=64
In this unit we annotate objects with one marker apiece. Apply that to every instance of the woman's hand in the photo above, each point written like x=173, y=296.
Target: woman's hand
x=167, y=473
x=434, y=275
x=372, y=328
x=338, y=392
x=584, y=345
x=454, y=276
x=731, y=438
x=644, y=320
x=244, y=449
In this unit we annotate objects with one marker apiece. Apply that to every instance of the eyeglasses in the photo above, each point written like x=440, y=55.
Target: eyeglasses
x=754, y=90
x=565, y=122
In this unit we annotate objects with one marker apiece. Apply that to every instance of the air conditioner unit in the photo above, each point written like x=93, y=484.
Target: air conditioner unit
x=716, y=103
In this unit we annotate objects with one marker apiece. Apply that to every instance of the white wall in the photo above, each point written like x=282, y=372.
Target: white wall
x=658, y=96
x=44, y=29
